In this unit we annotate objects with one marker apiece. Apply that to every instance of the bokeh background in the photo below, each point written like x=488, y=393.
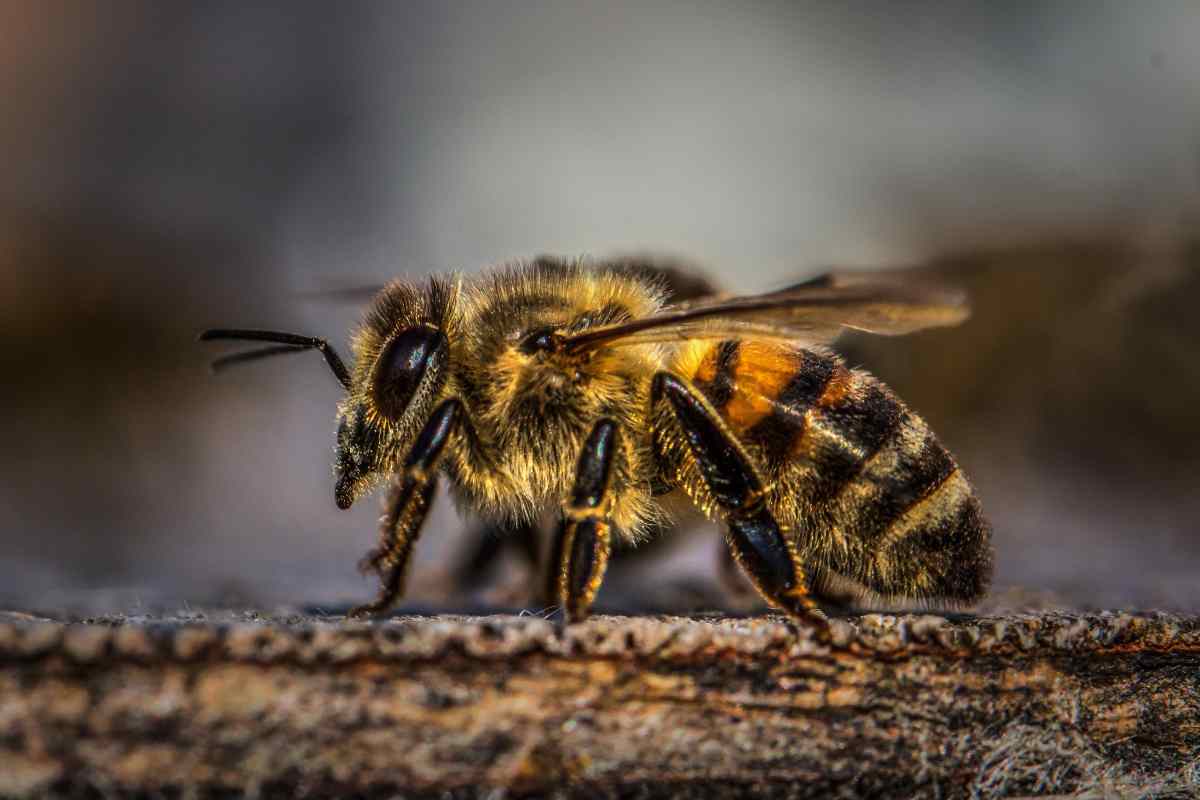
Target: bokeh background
x=170, y=167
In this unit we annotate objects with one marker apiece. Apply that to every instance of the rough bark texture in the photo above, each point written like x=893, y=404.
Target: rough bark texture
x=220, y=704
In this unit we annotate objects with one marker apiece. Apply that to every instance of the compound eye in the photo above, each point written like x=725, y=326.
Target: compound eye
x=404, y=364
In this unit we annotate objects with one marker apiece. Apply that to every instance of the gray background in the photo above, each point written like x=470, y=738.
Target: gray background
x=174, y=167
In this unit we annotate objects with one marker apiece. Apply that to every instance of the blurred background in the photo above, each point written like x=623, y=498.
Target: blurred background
x=170, y=167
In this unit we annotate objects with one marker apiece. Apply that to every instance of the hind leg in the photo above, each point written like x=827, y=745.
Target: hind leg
x=732, y=483
x=738, y=590
x=836, y=594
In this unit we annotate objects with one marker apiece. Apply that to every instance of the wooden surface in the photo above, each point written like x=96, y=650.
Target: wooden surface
x=502, y=706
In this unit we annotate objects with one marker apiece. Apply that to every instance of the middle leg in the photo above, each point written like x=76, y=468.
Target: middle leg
x=583, y=543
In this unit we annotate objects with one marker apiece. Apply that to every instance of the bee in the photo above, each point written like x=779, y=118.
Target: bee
x=573, y=386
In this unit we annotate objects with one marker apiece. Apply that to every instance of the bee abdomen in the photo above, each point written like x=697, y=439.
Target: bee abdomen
x=916, y=520
x=800, y=409
x=877, y=496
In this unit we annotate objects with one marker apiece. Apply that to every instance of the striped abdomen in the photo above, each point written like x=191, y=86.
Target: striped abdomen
x=871, y=493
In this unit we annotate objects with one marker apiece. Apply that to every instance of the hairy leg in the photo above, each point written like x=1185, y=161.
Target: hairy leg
x=835, y=594
x=755, y=539
x=581, y=548
x=408, y=504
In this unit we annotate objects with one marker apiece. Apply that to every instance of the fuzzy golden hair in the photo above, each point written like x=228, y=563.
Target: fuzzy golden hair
x=530, y=412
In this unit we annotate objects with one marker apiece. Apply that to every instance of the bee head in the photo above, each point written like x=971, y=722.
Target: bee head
x=402, y=354
x=357, y=452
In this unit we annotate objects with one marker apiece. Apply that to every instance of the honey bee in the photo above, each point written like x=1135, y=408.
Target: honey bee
x=574, y=386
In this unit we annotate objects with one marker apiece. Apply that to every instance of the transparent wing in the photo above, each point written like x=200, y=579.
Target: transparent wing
x=355, y=295
x=812, y=312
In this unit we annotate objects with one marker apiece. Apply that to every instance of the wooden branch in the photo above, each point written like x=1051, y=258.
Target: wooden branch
x=1028, y=704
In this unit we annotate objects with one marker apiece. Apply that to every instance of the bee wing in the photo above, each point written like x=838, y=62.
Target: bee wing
x=813, y=312
x=343, y=294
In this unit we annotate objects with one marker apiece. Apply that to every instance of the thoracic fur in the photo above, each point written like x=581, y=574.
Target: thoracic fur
x=531, y=412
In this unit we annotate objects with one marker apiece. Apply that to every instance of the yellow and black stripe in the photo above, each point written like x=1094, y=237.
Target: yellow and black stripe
x=873, y=493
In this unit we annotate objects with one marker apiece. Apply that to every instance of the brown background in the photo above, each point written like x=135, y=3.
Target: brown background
x=168, y=169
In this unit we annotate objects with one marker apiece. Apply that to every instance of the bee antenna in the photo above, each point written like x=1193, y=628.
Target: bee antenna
x=286, y=343
x=225, y=362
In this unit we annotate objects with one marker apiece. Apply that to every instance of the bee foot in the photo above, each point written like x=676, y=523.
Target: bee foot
x=364, y=611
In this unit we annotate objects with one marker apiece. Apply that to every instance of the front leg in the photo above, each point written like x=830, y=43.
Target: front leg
x=582, y=545
x=754, y=537
x=408, y=505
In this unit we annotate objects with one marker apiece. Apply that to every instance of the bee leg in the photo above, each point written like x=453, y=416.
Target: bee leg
x=408, y=503
x=484, y=549
x=739, y=593
x=488, y=542
x=754, y=537
x=581, y=548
